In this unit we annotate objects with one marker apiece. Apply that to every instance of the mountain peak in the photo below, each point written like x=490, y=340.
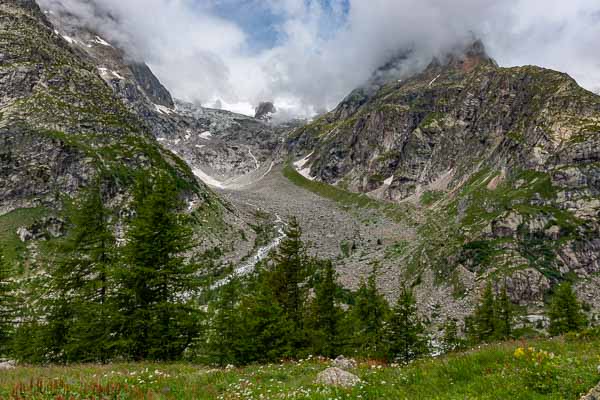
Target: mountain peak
x=265, y=111
x=464, y=58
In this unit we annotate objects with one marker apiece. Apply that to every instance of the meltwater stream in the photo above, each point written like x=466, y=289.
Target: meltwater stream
x=249, y=266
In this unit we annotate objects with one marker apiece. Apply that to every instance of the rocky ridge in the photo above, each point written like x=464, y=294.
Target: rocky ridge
x=501, y=165
x=215, y=143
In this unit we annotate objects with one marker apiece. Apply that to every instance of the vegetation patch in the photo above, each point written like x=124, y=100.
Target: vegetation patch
x=346, y=198
x=431, y=196
x=510, y=370
x=14, y=249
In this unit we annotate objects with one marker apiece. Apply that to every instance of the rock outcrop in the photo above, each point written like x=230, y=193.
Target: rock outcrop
x=265, y=111
x=594, y=394
x=344, y=363
x=337, y=377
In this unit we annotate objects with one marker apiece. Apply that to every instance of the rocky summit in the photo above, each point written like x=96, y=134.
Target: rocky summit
x=448, y=177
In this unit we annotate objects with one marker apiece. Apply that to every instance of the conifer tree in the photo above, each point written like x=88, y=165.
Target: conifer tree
x=565, y=312
x=80, y=315
x=290, y=269
x=6, y=303
x=155, y=281
x=503, y=315
x=326, y=315
x=73, y=322
x=451, y=340
x=484, y=319
x=265, y=329
x=405, y=337
x=226, y=335
x=367, y=317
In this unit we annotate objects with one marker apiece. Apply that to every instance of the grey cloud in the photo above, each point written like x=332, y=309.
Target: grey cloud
x=204, y=58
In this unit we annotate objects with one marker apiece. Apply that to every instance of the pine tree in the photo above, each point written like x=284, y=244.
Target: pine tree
x=155, y=281
x=565, y=312
x=7, y=304
x=367, y=318
x=264, y=328
x=503, y=316
x=290, y=269
x=73, y=322
x=80, y=315
x=326, y=316
x=485, y=316
x=451, y=340
x=226, y=335
x=406, y=338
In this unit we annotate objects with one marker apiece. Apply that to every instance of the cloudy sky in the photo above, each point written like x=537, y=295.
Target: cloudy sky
x=306, y=55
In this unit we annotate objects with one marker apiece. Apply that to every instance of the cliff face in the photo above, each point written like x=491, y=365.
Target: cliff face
x=62, y=127
x=502, y=165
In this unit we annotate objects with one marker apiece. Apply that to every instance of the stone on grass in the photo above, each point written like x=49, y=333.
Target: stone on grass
x=344, y=363
x=7, y=365
x=594, y=394
x=337, y=377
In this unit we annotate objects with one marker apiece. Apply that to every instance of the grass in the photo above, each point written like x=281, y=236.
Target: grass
x=490, y=372
x=345, y=198
x=9, y=223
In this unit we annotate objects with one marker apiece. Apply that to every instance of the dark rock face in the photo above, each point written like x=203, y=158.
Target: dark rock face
x=36, y=169
x=265, y=110
x=151, y=85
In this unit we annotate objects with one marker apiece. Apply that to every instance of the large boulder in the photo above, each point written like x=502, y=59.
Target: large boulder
x=344, y=363
x=6, y=365
x=337, y=377
x=265, y=111
x=594, y=394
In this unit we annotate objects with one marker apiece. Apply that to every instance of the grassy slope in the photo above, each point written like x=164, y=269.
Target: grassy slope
x=9, y=223
x=345, y=198
x=492, y=372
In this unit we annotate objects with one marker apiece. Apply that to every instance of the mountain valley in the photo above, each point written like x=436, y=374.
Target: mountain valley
x=451, y=182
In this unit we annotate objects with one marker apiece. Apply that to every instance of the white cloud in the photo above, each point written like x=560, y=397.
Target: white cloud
x=202, y=57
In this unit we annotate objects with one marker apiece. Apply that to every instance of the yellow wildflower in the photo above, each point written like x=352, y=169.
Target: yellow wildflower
x=519, y=352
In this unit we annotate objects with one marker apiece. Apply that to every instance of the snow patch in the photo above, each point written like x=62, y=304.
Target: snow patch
x=301, y=163
x=434, y=79
x=105, y=72
x=299, y=166
x=260, y=255
x=206, y=135
x=69, y=39
x=209, y=180
x=199, y=146
x=163, y=109
x=101, y=41
x=389, y=181
x=256, y=163
x=306, y=173
x=115, y=73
